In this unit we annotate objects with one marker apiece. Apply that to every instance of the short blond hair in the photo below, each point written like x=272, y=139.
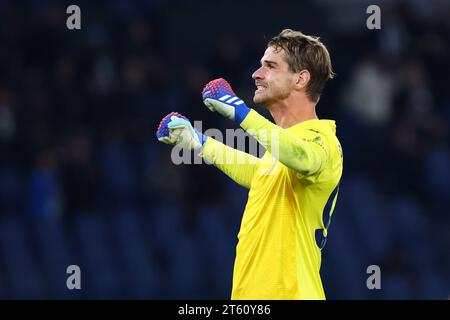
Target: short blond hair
x=306, y=52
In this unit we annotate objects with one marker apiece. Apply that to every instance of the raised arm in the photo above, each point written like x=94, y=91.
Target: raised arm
x=304, y=154
x=301, y=154
x=237, y=165
x=175, y=129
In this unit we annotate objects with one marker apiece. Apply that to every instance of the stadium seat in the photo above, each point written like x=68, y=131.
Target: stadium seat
x=217, y=245
x=56, y=255
x=98, y=264
x=137, y=256
x=367, y=215
x=23, y=275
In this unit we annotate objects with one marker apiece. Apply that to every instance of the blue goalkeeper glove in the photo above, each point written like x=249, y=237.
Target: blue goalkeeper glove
x=176, y=129
x=218, y=96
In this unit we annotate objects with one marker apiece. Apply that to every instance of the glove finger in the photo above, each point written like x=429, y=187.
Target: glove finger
x=176, y=127
x=177, y=122
x=165, y=139
x=176, y=134
x=209, y=104
x=217, y=88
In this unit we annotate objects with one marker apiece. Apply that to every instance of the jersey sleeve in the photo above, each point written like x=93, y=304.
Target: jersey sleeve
x=305, y=153
x=237, y=165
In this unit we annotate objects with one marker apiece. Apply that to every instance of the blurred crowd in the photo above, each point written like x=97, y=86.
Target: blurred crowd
x=84, y=181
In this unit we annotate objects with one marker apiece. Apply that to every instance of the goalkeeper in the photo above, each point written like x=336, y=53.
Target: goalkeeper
x=294, y=186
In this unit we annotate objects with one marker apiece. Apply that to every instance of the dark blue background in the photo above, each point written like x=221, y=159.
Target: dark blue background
x=84, y=181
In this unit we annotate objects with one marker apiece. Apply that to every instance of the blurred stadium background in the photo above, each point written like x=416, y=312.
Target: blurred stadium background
x=84, y=181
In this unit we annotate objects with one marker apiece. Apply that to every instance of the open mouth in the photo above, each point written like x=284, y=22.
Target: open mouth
x=260, y=88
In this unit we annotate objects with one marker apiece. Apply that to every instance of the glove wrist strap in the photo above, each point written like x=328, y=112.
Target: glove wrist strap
x=241, y=112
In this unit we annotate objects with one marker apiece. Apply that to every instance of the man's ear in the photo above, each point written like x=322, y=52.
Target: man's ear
x=303, y=78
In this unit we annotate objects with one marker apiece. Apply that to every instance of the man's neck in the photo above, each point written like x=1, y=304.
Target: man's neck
x=289, y=113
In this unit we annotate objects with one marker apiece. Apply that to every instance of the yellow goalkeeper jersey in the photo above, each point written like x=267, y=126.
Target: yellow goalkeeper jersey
x=293, y=190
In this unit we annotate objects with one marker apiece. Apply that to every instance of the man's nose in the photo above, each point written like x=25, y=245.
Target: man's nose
x=257, y=74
